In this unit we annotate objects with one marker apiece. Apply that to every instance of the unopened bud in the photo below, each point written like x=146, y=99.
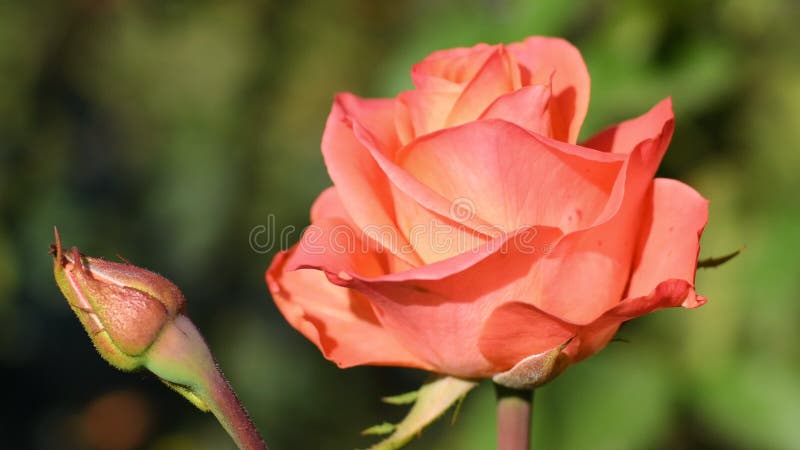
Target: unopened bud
x=136, y=319
x=122, y=307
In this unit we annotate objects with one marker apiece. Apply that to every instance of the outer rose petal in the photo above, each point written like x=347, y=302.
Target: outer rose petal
x=602, y=255
x=437, y=309
x=670, y=239
x=339, y=321
x=516, y=330
x=667, y=294
x=328, y=205
x=624, y=137
x=441, y=319
x=543, y=56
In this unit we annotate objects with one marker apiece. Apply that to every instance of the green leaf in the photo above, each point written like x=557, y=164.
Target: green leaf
x=402, y=399
x=434, y=398
x=380, y=429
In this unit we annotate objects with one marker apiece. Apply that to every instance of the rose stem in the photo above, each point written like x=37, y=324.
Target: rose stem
x=514, y=409
x=232, y=415
x=180, y=355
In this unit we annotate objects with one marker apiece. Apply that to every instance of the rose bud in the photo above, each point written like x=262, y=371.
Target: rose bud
x=136, y=319
x=121, y=306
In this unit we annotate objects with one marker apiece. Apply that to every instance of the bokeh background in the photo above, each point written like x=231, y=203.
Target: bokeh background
x=167, y=131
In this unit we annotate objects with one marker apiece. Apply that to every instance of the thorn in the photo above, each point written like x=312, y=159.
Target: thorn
x=714, y=262
x=124, y=259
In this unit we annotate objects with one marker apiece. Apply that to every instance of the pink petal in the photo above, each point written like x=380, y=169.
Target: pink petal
x=336, y=246
x=516, y=330
x=362, y=186
x=542, y=56
x=441, y=317
x=671, y=238
x=467, y=79
x=328, y=205
x=528, y=107
x=624, y=137
x=435, y=310
x=403, y=123
x=432, y=236
x=603, y=253
x=512, y=178
x=404, y=184
x=339, y=321
x=427, y=109
x=667, y=294
x=453, y=66
x=494, y=79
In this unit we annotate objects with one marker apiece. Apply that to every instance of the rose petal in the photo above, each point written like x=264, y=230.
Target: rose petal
x=443, y=317
x=453, y=66
x=454, y=86
x=512, y=178
x=543, y=56
x=339, y=321
x=403, y=123
x=528, y=107
x=668, y=294
x=417, y=192
x=362, y=186
x=590, y=340
x=516, y=330
x=671, y=239
x=336, y=246
x=494, y=79
x=328, y=205
x=436, y=309
x=432, y=236
x=589, y=268
x=624, y=137
x=428, y=109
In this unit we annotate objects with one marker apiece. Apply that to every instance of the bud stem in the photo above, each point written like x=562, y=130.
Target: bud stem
x=514, y=411
x=181, y=358
x=232, y=415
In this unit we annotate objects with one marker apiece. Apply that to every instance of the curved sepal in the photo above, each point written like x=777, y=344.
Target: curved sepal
x=535, y=370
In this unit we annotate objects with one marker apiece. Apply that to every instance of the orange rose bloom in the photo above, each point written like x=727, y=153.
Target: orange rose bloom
x=467, y=230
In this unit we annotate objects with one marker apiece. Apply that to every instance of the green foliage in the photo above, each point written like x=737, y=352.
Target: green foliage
x=435, y=397
x=402, y=399
x=380, y=429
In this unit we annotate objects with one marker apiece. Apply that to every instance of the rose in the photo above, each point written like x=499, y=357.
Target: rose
x=466, y=230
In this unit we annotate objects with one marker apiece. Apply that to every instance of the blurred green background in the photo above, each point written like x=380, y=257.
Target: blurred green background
x=167, y=131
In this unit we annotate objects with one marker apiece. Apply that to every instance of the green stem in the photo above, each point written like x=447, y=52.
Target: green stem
x=514, y=410
x=231, y=414
x=181, y=358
